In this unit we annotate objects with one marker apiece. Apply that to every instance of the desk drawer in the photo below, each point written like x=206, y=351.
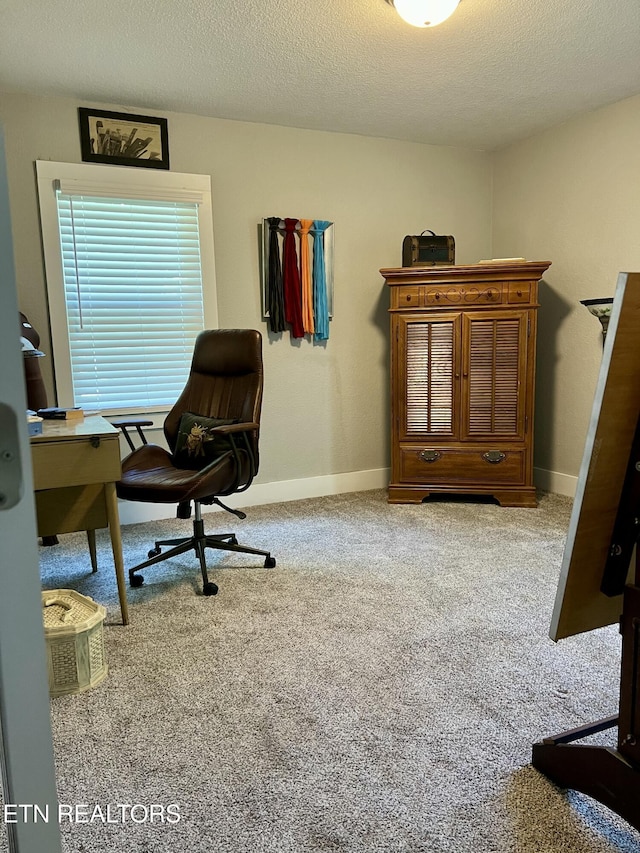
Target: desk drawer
x=75, y=462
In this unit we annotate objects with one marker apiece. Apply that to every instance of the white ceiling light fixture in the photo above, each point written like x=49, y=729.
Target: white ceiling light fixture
x=424, y=13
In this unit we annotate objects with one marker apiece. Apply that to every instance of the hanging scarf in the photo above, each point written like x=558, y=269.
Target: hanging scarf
x=275, y=292
x=320, y=306
x=291, y=275
x=305, y=270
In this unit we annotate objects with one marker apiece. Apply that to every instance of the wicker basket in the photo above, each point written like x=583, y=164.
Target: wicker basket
x=75, y=646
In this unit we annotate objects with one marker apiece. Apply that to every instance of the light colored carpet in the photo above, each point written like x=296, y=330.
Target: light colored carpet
x=379, y=690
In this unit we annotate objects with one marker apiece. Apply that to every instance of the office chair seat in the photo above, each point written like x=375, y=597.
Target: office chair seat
x=150, y=475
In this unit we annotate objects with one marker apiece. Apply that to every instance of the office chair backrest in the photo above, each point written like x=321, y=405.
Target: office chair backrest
x=36, y=392
x=225, y=381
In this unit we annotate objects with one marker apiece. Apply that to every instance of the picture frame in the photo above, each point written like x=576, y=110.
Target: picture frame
x=123, y=139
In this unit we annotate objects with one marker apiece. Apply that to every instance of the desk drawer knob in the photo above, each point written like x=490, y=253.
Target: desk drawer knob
x=94, y=441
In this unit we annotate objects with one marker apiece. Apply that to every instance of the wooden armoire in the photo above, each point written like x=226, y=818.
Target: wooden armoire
x=463, y=346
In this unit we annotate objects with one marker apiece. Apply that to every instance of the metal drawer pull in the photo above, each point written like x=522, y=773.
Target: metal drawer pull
x=94, y=441
x=494, y=456
x=430, y=455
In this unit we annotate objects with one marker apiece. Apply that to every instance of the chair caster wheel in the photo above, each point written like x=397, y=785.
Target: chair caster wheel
x=154, y=552
x=136, y=580
x=270, y=563
x=209, y=589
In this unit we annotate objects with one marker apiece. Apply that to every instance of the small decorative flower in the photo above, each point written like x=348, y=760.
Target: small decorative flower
x=196, y=439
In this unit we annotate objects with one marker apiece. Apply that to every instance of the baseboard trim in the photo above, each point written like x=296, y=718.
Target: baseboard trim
x=554, y=481
x=316, y=487
x=269, y=493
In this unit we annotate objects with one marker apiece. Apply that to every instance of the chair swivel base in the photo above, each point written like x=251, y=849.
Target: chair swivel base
x=198, y=543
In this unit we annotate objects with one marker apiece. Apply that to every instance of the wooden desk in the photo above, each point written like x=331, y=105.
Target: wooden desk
x=76, y=465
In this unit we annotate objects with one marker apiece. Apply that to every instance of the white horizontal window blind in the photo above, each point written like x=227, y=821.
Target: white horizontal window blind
x=133, y=290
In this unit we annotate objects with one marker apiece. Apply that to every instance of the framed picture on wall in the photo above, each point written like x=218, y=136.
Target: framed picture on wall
x=123, y=139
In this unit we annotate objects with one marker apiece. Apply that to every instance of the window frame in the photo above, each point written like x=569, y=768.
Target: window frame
x=131, y=183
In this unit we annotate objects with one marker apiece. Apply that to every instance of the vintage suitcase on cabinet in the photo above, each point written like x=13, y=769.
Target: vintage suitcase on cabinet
x=427, y=251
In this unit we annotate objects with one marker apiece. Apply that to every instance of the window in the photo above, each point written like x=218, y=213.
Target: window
x=130, y=282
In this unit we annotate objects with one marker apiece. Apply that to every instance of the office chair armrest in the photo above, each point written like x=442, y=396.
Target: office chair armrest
x=240, y=430
x=138, y=423
x=249, y=426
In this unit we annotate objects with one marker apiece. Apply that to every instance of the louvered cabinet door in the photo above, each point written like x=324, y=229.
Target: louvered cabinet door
x=428, y=374
x=494, y=372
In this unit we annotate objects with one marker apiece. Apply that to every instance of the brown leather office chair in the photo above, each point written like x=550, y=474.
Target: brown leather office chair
x=212, y=432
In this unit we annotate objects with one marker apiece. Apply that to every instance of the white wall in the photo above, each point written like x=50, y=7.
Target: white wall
x=326, y=406
x=569, y=195
x=572, y=196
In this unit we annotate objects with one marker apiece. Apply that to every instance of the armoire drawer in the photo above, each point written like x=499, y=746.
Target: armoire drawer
x=411, y=296
x=518, y=292
x=407, y=296
x=462, y=295
x=480, y=465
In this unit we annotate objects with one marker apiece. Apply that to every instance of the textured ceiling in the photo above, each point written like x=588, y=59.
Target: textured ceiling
x=497, y=71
